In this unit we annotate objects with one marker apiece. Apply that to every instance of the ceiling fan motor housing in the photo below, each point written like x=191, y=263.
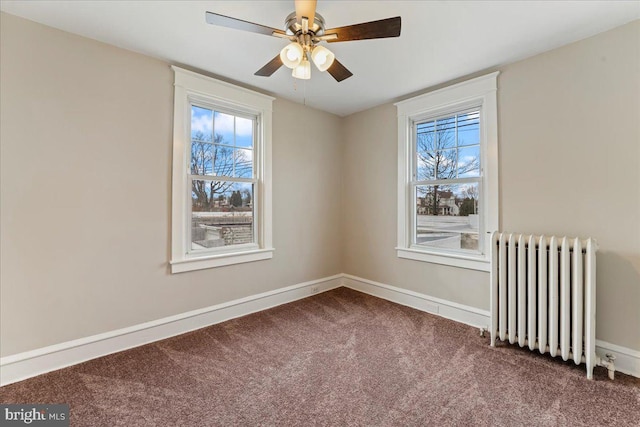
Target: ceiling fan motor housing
x=293, y=27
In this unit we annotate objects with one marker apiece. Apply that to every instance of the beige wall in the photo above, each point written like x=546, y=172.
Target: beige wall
x=86, y=140
x=570, y=161
x=85, y=186
x=569, y=129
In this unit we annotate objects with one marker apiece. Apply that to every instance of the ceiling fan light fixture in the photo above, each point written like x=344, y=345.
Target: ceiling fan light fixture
x=304, y=28
x=322, y=57
x=292, y=55
x=302, y=71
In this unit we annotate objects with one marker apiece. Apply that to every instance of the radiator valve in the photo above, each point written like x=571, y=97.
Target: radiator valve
x=609, y=364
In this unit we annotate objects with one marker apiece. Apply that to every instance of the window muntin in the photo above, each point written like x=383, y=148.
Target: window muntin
x=447, y=181
x=222, y=209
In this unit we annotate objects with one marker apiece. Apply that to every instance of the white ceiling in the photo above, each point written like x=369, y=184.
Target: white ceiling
x=440, y=40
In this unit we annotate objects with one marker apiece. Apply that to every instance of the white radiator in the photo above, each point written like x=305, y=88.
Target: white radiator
x=543, y=295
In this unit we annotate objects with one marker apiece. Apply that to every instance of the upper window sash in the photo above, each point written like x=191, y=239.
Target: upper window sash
x=456, y=147
x=233, y=145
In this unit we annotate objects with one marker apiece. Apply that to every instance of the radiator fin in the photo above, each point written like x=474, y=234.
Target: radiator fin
x=543, y=303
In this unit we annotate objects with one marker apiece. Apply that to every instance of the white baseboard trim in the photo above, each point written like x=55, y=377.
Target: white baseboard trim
x=448, y=309
x=25, y=365
x=627, y=360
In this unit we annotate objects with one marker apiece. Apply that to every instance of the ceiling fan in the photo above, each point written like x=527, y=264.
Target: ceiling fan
x=305, y=29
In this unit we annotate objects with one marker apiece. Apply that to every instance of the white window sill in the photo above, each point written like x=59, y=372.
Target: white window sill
x=220, y=260
x=453, y=260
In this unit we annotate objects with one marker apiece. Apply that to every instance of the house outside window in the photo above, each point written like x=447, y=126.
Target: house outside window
x=221, y=205
x=447, y=181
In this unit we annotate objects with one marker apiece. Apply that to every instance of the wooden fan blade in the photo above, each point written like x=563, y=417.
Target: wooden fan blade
x=306, y=8
x=270, y=67
x=239, y=24
x=381, y=29
x=339, y=71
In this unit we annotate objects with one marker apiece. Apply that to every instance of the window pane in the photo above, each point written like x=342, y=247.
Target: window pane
x=469, y=162
x=444, y=163
x=424, y=128
x=436, y=165
x=425, y=166
x=446, y=133
x=244, y=163
x=222, y=160
x=201, y=124
x=201, y=158
x=469, y=128
x=222, y=214
x=244, y=132
x=447, y=216
x=224, y=125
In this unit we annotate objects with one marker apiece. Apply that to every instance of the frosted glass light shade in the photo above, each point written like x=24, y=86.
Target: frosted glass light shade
x=322, y=57
x=302, y=71
x=292, y=55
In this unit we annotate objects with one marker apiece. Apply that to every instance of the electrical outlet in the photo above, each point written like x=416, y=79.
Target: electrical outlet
x=314, y=289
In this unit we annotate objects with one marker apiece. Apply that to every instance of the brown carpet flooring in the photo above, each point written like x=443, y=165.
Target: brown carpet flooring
x=341, y=358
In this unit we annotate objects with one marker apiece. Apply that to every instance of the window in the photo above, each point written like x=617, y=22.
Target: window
x=447, y=181
x=221, y=207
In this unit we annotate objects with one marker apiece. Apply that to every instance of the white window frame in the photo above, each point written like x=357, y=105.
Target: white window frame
x=480, y=92
x=192, y=88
